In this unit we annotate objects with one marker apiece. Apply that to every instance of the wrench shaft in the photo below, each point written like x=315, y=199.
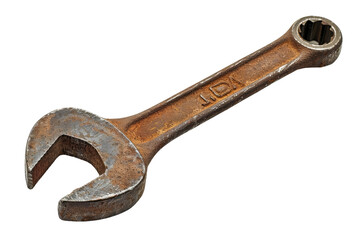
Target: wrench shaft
x=169, y=119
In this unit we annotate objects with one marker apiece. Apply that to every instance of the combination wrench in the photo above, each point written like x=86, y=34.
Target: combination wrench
x=121, y=149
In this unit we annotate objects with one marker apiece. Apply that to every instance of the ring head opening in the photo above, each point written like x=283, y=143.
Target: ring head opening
x=316, y=32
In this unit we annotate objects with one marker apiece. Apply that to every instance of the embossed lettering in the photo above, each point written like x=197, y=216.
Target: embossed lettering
x=220, y=89
x=206, y=102
x=235, y=82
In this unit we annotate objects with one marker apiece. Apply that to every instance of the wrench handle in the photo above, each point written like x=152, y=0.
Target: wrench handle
x=152, y=129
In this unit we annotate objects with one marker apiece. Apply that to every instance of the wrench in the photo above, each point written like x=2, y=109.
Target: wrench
x=121, y=149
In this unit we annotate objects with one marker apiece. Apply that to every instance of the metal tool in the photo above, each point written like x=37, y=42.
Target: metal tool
x=121, y=149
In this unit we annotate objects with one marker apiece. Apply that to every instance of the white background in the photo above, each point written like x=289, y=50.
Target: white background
x=283, y=164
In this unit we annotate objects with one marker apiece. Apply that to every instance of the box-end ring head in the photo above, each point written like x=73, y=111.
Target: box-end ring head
x=320, y=36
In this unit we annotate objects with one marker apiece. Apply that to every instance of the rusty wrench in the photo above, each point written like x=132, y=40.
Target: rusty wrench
x=121, y=149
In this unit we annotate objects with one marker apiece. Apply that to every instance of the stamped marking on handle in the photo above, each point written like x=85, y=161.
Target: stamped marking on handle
x=211, y=91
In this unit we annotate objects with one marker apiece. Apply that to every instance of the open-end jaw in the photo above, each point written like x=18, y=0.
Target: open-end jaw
x=86, y=136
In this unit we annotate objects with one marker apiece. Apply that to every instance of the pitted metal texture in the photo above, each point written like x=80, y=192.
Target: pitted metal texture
x=86, y=136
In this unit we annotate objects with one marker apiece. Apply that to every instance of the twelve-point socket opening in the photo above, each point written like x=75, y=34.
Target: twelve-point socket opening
x=316, y=32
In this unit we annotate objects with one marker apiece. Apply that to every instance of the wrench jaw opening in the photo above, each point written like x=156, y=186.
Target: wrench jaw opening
x=86, y=136
x=64, y=145
x=319, y=38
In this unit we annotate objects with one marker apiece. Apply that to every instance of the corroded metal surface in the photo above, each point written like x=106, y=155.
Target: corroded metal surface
x=86, y=136
x=121, y=149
